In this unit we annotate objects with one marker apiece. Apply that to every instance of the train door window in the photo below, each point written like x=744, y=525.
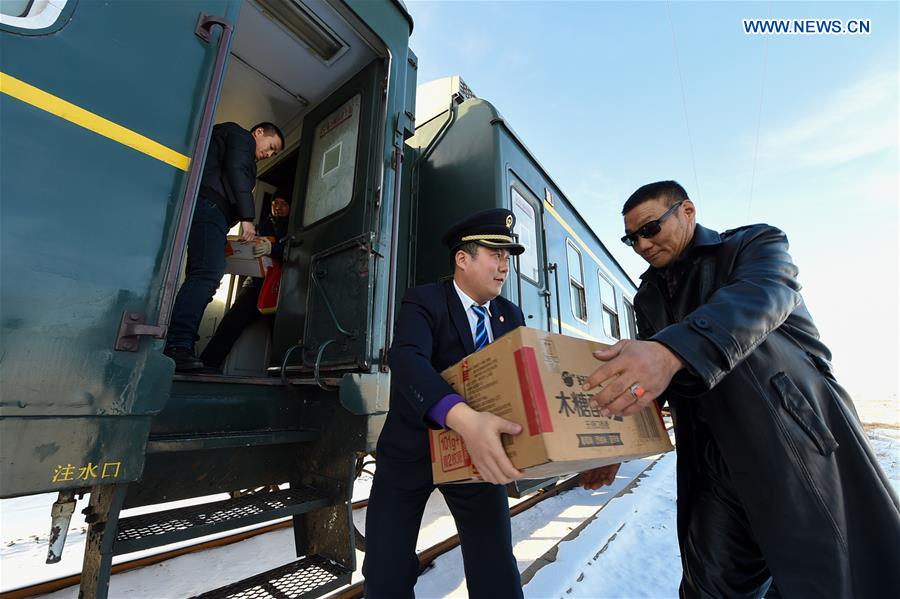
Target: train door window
x=608, y=301
x=576, y=282
x=33, y=15
x=15, y=8
x=630, y=322
x=332, y=163
x=526, y=229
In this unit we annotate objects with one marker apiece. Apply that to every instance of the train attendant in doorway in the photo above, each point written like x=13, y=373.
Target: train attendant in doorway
x=779, y=492
x=225, y=198
x=271, y=235
x=438, y=325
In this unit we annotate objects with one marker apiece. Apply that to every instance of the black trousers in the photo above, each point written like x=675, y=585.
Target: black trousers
x=720, y=556
x=242, y=313
x=394, y=515
x=204, y=270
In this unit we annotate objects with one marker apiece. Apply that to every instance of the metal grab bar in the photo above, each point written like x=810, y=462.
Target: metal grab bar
x=132, y=324
x=342, y=330
x=555, y=270
x=518, y=274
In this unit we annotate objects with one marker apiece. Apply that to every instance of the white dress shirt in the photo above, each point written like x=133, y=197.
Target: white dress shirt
x=467, y=303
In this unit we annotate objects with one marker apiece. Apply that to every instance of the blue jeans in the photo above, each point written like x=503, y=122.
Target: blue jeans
x=205, y=267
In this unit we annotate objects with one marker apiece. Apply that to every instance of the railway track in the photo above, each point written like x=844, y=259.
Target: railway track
x=63, y=582
x=353, y=591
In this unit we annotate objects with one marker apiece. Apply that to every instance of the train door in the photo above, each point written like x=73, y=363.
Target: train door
x=529, y=268
x=102, y=135
x=329, y=266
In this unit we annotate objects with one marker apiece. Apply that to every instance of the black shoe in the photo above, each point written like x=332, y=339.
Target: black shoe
x=185, y=360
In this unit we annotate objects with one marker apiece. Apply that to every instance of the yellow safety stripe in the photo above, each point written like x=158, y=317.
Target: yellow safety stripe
x=93, y=122
x=575, y=330
x=590, y=253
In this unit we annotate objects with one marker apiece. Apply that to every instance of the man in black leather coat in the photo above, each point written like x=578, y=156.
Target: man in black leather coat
x=777, y=484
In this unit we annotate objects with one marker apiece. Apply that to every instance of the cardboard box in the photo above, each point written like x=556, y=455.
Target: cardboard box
x=239, y=259
x=534, y=378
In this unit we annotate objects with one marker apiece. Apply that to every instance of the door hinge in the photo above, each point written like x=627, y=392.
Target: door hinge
x=132, y=328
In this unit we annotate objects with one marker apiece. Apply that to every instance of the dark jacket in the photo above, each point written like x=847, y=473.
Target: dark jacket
x=269, y=226
x=759, y=383
x=431, y=334
x=229, y=174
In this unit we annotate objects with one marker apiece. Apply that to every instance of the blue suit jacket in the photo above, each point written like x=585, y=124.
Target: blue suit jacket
x=432, y=333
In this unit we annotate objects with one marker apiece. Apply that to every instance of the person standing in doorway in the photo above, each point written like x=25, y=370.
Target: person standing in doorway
x=271, y=234
x=225, y=198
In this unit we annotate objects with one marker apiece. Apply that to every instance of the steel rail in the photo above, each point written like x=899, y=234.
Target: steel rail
x=50, y=586
x=426, y=557
x=354, y=591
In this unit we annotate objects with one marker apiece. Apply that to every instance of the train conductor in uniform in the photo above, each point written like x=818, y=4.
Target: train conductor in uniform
x=438, y=325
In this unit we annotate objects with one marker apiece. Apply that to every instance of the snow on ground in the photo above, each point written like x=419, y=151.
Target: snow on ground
x=629, y=550
x=580, y=544
x=535, y=532
x=886, y=444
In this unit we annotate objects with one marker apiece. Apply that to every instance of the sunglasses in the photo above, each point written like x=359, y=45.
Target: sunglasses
x=650, y=229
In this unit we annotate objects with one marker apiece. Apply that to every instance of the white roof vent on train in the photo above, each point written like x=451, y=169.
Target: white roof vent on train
x=434, y=97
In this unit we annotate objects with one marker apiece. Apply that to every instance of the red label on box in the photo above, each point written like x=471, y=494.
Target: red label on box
x=453, y=452
x=536, y=409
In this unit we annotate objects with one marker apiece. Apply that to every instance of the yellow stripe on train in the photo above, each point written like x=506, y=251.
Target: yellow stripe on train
x=587, y=248
x=575, y=330
x=74, y=114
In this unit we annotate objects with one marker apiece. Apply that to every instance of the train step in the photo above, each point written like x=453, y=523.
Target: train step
x=309, y=577
x=144, y=531
x=161, y=443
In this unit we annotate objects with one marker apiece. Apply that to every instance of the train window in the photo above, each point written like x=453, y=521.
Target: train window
x=526, y=229
x=630, y=322
x=31, y=15
x=332, y=163
x=15, y=8
x=576, y=282
x=610, y=312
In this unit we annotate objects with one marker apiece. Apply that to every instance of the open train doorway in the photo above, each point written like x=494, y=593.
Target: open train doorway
x=313, y=69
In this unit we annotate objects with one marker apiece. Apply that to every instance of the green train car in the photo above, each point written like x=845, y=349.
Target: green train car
x=105, y=113
x=466, y=157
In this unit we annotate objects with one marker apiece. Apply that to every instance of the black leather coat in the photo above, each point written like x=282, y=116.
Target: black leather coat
x=759, y=383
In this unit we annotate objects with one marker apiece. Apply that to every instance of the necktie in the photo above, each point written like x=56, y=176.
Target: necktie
x=481, y=334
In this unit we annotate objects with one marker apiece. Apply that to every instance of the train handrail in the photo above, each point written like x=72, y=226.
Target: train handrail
x=518, y=274
x=132, y=325
x=554, y=268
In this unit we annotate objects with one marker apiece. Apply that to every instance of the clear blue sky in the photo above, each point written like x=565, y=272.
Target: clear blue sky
x=799, y=131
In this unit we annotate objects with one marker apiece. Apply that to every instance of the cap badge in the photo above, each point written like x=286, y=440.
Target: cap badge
x=509, y=221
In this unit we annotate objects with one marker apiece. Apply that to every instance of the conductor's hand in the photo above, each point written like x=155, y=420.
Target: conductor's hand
x=481, y=433
x=248, y=231
x=647, y=365
x=262, y=247
x=592, y=480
